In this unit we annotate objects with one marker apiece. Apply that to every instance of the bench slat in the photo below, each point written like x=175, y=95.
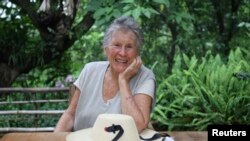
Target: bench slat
x=11, y=112
x=33, y=90
x=34, y=101
x=20, y=129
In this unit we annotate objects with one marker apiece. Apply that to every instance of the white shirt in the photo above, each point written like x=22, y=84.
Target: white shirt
x=91, y=103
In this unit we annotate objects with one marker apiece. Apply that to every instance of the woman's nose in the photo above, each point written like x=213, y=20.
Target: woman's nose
x=123, y=51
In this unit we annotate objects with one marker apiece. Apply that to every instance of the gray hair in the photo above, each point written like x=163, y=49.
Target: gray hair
x=123, y=22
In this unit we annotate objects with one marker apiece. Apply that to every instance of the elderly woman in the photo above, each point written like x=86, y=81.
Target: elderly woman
x=120, y=85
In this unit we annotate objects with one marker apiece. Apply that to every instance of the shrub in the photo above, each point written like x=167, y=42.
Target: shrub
x=207, y=91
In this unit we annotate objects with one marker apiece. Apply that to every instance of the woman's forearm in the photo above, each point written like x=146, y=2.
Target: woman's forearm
x=130, y=107
x=65, y=123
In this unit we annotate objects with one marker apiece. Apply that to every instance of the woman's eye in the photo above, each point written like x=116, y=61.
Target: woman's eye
x=118, y=47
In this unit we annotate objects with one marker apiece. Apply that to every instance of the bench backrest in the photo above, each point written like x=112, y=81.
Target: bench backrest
x=31, y=109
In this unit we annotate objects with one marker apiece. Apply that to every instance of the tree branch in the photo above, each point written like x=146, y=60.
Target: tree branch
x=84, y=25
x=55, y=32
x=31, y=11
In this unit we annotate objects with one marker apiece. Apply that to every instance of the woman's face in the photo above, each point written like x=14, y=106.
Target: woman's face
x=122, y=50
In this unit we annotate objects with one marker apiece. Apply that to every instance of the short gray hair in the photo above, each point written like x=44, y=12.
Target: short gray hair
x=123, y=22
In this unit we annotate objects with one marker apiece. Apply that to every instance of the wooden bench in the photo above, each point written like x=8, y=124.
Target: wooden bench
x=28, y=109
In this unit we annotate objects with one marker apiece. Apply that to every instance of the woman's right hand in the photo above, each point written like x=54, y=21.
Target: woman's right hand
x=131, y=70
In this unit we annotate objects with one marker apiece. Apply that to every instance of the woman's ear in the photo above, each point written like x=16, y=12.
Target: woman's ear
x=104, y=51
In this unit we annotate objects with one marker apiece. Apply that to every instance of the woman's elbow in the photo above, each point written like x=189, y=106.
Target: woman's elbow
x=142, y=125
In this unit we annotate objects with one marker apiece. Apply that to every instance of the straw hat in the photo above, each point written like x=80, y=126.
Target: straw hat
x=115, y=127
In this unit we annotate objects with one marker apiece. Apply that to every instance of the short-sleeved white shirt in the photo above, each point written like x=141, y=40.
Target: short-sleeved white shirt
x=91, y=103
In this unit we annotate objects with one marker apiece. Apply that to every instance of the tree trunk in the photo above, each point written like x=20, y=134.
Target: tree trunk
x=57, y=35
x=8, y=75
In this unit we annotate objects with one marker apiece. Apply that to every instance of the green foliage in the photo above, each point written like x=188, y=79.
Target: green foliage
x=17, y=35
x=205, y=92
